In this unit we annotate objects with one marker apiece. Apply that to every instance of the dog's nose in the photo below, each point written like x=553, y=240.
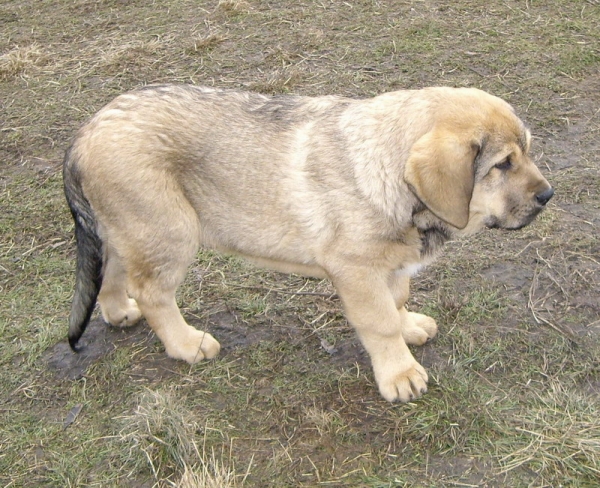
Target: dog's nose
x=544, y=197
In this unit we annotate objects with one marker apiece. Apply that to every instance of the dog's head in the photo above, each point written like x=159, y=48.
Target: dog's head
x=472, y=169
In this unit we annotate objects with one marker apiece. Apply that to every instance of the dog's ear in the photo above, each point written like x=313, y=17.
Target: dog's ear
x=441, y=171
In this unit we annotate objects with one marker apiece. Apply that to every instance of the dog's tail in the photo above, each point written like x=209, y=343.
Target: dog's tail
x=88, y=276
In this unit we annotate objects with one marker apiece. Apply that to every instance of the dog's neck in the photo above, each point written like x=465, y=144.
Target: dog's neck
x=433, y=231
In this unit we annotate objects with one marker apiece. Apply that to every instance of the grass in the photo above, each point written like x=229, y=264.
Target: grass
x=162, y=433
x=291, y=401
x=18, y=60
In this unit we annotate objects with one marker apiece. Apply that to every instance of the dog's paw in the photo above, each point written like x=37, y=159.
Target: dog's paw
x=195, y=347
x=418, y=329
x=125, y=317
x=403, y=386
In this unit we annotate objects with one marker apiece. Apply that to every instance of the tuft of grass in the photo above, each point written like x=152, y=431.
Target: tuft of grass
x=208, y=472
x=233, y=6
x=19, y=60
x=163, y=434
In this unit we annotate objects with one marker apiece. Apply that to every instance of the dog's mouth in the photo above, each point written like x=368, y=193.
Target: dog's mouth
x=494, y=222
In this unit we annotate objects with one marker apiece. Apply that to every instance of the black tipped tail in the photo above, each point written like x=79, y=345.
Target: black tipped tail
x=88, y=277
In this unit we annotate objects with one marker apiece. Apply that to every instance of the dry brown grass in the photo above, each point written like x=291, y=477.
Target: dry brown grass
x=560, y=434
x=20, y=60
x=163, y=433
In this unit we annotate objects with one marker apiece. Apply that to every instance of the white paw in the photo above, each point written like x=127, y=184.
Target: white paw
x=418, y=329
x=194, y=346
x=402, y=384
x=122, y=317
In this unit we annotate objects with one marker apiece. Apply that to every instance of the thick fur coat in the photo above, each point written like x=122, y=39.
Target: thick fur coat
x=363, y=192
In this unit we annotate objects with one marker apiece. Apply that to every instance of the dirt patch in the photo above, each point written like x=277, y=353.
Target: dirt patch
x=151, y=363
x=98, y=341
x=513, y=277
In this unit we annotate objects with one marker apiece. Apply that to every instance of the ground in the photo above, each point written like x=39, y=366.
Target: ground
x=291, y=401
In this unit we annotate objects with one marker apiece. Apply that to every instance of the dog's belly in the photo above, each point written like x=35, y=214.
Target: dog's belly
x=286, y=252
x=313, y=271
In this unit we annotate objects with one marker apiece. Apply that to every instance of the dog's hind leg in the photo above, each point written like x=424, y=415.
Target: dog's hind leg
x=116, y=306
x=156, y=299
x=160, y=246
x=181, y=340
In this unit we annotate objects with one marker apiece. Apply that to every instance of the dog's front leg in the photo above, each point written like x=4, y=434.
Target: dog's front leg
x=371, y=309
x=417, y=328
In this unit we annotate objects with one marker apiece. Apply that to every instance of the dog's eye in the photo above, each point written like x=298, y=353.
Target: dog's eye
x=504, y=165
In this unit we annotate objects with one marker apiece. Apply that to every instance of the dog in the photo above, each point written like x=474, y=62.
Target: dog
x=361, y=191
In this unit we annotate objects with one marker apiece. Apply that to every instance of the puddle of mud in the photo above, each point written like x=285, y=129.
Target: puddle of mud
x=151, y=362
x=98, y=341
